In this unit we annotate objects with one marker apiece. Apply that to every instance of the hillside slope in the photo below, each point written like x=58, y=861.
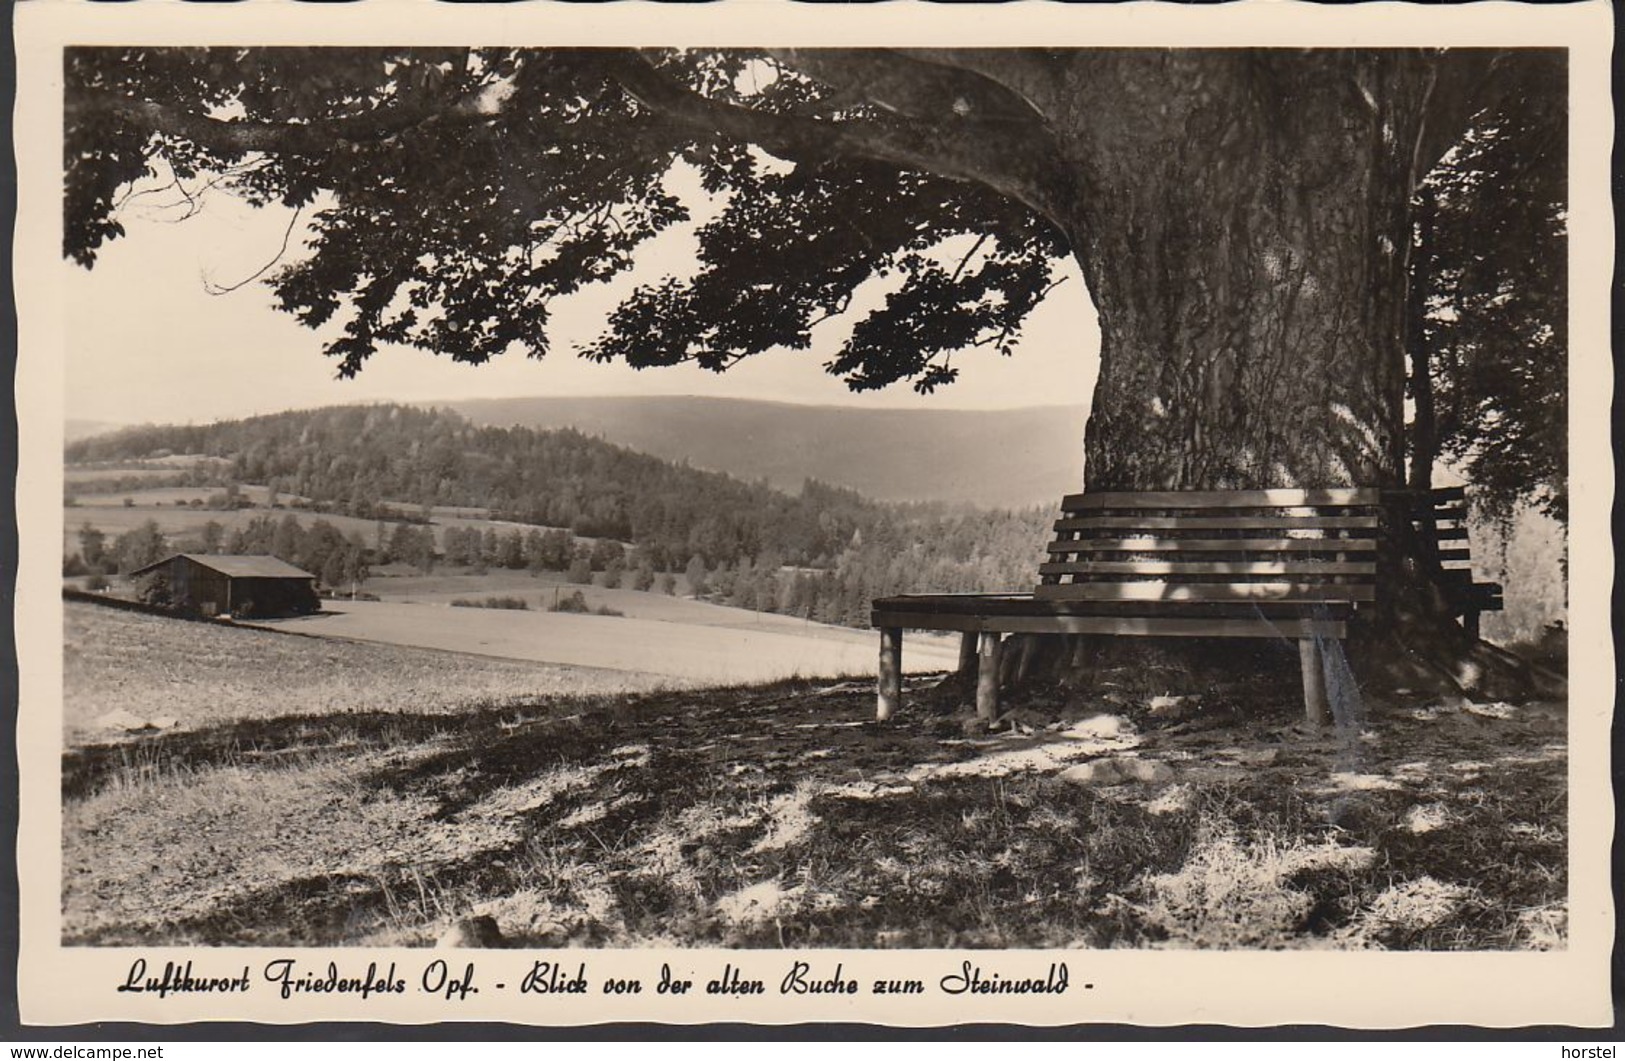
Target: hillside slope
x=821, y=552
x=1002, y=458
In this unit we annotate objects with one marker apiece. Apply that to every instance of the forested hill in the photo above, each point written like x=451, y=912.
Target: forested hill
x=362, y=460
x=992, y=458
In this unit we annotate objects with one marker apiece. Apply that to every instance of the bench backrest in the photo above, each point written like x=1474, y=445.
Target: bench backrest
x=1301, y=549
x=1440, y=517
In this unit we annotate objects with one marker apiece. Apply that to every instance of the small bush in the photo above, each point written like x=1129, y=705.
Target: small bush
x=154, y=589
x=96, y=583
x=575, y=603
x=512, y=604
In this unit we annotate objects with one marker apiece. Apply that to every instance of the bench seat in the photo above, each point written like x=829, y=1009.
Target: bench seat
x=1022, y=613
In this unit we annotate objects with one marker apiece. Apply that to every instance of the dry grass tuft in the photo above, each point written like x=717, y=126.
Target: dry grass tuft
x=1233, y=892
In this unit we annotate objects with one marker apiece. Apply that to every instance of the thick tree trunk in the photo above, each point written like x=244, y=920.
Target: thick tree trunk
x=1243, y=223
x=1244, y=240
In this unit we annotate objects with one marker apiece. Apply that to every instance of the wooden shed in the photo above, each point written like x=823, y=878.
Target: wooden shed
x=234, y=585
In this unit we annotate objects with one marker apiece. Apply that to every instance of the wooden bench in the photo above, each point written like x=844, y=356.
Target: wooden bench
x=1440, y=518
x=1289, y=564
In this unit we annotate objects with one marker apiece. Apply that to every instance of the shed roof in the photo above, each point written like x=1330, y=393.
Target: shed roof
x=237, y=566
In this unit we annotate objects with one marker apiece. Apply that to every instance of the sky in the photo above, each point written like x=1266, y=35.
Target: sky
x=148, y=342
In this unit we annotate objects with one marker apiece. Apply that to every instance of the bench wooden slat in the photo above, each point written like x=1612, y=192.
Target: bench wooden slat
x=1440, y=513
x=1132, y=626
x=1216, y=545
x=1288, y=498
x=1451, y=533
x=1198, y=591
x=1475, y=602
x=1277, y=523
x=1026, y=604
x=1194, y=567
x=1448, y=493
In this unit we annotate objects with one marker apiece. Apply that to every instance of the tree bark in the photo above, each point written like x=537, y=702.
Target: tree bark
x=1242, y=237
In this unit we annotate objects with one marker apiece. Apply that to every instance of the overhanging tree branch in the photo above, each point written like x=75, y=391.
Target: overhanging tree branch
x=235, y=137
x=901, y=84
x=1006, y=156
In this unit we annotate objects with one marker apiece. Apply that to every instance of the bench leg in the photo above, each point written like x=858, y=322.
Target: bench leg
x=987, y=677
x=1026, y=648
x=1314, y=683
x=890, y=684
x=1469, y=623
x=967, y=653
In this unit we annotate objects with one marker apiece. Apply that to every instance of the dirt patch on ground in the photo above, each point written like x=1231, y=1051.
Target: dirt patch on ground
x=778, y=816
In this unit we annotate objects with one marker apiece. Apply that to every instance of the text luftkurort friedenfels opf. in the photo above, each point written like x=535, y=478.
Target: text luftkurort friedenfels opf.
x=455, y=980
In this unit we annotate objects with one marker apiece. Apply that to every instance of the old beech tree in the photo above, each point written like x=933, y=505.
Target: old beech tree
x=1242, y=218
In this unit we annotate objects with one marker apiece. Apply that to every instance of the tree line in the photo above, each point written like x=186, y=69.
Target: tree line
x=338, y=560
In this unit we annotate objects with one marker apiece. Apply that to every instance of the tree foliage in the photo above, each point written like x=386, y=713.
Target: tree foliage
x=1493, y=300
x=455, y=193
x=1249, y=287
x=140, y=547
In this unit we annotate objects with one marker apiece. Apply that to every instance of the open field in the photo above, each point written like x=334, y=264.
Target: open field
x=84, y=475
x=539, y=591
x=146, y=498
x=150, y=466
x=109, y=514
x=203, y=674
x=114, y=518
x=728, y=651
x=774, y=815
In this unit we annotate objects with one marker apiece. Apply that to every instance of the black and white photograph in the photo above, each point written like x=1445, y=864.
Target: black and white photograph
x=939, y=518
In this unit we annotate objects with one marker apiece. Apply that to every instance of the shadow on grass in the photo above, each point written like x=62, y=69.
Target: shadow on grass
x=771, y=816
x=721, y=758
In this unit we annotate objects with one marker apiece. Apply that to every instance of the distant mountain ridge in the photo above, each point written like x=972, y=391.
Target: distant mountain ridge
x=74, y=430
x=1002, y=458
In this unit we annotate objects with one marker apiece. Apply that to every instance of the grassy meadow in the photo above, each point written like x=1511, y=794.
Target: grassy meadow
x=108, y=514
x=318, y=792
x=730, y=648
x=202, y=674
